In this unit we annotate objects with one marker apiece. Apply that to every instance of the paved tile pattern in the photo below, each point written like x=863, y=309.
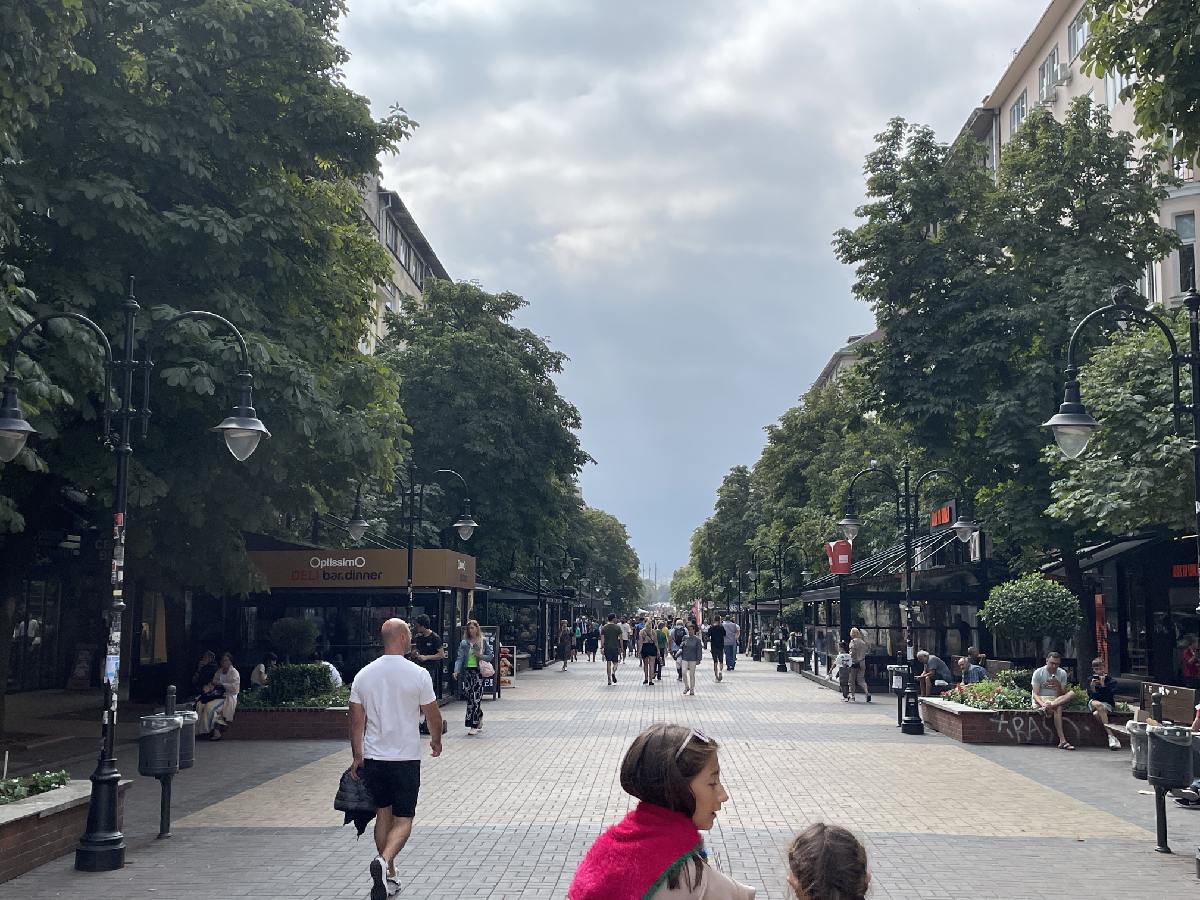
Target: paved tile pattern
x=939, y=819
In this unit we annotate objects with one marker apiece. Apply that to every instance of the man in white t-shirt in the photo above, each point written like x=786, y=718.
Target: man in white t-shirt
x=387, y=699
x=1050, y=693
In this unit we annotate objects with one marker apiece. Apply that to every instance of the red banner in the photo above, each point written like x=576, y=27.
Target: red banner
x=841, y=557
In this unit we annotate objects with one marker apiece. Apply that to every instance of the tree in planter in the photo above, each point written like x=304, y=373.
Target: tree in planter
x=294, y=637
x=1032, y=607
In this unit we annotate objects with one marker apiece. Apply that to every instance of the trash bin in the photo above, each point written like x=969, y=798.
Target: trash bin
x=1169, y=756
x=1137, y=746
x=158, y=744
x=187, y=738
x=896, y=678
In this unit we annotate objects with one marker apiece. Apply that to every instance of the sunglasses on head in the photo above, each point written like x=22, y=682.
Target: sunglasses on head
x=694, y=733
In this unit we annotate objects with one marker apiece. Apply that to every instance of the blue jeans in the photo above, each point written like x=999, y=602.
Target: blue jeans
x=730, y=655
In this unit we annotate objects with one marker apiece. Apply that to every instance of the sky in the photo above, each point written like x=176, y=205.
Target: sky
x=661, y=181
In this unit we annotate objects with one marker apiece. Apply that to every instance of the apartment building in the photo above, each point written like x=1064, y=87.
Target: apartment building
x=413, y=259
x=1045, y=71
x=846, y=358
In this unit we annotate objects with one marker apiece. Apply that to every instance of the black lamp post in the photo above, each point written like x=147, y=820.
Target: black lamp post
x=102, y=846
x=908, y=500
x=415, y=497
x=1072, y=425
x=777, y=557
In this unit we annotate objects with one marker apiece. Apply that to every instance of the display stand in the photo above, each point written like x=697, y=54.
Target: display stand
x=492, y=685
x=508, y=666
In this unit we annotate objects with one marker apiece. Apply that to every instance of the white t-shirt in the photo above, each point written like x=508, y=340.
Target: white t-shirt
x=392, y=690
x=626, y=631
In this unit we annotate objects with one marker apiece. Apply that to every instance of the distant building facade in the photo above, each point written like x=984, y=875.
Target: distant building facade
x=1046, y=72
x=847, y=357
x=413, y=259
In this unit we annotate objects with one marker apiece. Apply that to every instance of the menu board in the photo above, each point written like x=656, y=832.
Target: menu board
x=491, y=685
x=508, y=667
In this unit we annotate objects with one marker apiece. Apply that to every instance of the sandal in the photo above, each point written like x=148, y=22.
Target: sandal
x=1065, y=746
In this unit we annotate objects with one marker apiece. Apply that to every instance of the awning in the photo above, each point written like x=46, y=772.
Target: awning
x=1097, y=555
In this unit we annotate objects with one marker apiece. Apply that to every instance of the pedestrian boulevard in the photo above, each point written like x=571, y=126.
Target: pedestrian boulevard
x=509, y=813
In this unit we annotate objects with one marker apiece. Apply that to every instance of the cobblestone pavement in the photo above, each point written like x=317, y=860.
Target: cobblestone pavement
x=254, y=819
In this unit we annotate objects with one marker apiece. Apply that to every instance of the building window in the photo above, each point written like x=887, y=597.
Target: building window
x=1114, y=83
x=402, y=250
x=1185, y=227
x=417, y=269
x=1077, y=34
x=1148, y=284
x=392, y=234
x=1047, y=75
x=1016, y=114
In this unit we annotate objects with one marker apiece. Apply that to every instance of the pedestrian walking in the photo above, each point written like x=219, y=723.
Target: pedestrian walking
x=387, y=699
x=611, y=637
x=657, y=851
x=474, y=652
x=678, y=634
x=691, y=651
x=591, y=641
x=827, y=862
x=580, y=625
x=626, y=637
x=858, y=663
x=716, y=646
x=648, y=651
x=427, y=651
x=566, y=644
x=661, y=636
x=732, y=631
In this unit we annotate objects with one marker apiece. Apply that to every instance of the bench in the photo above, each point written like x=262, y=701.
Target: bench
x=1178, y=703
x=769, y=654
x=796, y=663
x=1120, y=732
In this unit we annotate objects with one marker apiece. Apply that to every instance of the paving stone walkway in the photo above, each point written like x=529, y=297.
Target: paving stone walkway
x=254, y=819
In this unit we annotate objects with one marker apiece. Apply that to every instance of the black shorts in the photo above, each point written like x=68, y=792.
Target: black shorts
x=612, y=655
x=394, y=783
x=718, y=651
x=649, y=650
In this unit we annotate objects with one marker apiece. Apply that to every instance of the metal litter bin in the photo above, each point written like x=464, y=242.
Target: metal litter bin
x=187, y=738
x=1137, y=746
x=158, y=744
x=1169, y=756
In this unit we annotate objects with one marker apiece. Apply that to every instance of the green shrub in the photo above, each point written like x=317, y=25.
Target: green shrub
x=14, y=789
x=290, y=683
x=793, y=616
x=294, y=637
x=996, y=695
x=262, y=700
x=1018, y=678
x=1032, y=607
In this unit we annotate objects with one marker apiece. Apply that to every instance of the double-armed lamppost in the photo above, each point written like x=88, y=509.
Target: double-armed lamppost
x=1073, y=426
x=414, y=499
x=777, y=559
x=907, y=503
x=102, y=846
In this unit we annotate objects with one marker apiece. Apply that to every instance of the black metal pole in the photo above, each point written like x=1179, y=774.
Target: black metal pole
x=102, y=845
x=1160, y=820
x=1193, y=307
x=911, y=723
x=412, y=532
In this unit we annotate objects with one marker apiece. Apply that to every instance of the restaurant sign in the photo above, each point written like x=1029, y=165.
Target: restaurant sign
x=363, y=568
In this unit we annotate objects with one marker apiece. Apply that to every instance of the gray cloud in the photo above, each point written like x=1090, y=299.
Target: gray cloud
x=661, y=181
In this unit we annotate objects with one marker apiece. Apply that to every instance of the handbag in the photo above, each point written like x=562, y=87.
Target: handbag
x=486, y=669
x=217, y=693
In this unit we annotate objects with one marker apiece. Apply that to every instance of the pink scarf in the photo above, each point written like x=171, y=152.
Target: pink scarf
x=632, y=859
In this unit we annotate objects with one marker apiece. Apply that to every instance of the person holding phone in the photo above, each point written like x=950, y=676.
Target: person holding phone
x=1102, y=700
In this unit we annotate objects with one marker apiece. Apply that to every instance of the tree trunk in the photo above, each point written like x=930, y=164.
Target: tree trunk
x=1085, y=640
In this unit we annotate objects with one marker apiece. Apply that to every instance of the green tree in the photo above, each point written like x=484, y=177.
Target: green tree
x=601, y=544
x=1032, y=607
x=686, y=586
x=212, y=150
x=1154, y=44
x=480, y=397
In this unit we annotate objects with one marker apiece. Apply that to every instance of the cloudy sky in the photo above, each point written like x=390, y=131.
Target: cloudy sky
x=660, y=179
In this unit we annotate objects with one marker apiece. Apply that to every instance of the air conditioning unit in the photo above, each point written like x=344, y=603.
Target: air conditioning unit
x=1062, y=73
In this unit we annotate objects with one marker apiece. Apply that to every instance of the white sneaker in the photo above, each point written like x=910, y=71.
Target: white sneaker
x=471, y=732
x=393, y=883
x=379, y=887
x=1113, y=743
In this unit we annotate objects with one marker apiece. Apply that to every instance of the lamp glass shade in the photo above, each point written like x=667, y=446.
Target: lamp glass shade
x=752, y=574
x=356, y=528
x=12, y=441
x=242, y=434
x=465, y=527
x=964, y=529
x=1072, y=440
x=851, y=526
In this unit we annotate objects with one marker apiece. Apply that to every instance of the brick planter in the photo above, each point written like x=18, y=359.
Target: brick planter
x=282, y=723
x=42, y=828
x=1013, y=726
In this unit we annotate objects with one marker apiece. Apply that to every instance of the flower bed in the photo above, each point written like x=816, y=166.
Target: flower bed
x=14, y=789
x=42, y=827
x=975, y=725
x=1002, y=695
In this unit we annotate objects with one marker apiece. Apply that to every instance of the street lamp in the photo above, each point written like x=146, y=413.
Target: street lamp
x=779, y=554
x=1073, y=426
x=415, y=496
x=909, y=499
x=357, y=526
x=102, y=846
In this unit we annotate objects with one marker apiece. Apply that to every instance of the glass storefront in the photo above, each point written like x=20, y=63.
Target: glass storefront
x=34, y=664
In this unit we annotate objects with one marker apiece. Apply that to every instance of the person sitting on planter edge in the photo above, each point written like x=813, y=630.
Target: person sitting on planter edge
x=971, y=673
x=1050, y=694
x=936, y=678
x=1102, y=699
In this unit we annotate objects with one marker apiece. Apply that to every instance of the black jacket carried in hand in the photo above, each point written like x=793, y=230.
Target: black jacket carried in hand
x=354, y=799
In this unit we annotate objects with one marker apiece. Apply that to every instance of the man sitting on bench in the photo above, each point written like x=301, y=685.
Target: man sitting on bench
x=1102, y=699
x=1050, y=694
x=935, y=679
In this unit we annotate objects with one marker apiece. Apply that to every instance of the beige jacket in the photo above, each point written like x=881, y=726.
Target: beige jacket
x=714, y=885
